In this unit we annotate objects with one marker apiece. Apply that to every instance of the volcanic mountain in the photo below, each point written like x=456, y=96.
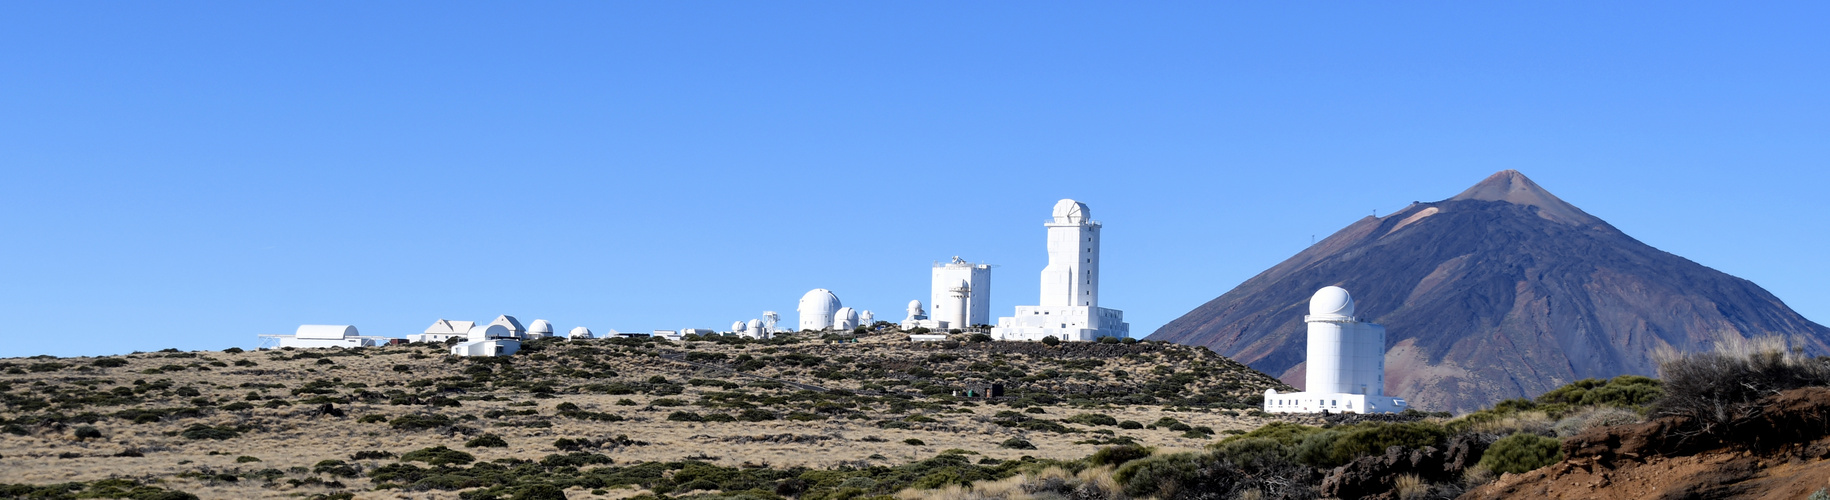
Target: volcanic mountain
x=1501, y=291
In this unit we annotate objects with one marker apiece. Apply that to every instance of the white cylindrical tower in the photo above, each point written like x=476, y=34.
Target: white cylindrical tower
x=958, y=308
x=1330, y=319
x=757, y=330
x=817, y=308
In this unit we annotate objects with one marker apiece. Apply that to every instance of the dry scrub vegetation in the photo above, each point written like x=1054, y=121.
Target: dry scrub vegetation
x=602, y=418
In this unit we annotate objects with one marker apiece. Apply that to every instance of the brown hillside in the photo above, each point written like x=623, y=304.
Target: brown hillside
x=1502, y=291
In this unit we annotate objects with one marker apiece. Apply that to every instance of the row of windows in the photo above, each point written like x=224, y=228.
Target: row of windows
x=1318, y=402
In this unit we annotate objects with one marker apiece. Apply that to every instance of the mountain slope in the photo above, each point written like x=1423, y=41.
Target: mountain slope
x=1501, y=291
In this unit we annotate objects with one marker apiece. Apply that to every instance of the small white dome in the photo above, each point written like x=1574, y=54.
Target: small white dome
x=737, y=326
x=486, y=332
x=756, y=325
x=915, y=305
x=1068, y=211
x=1331, y=300
x=581, y=332
x=540, y=326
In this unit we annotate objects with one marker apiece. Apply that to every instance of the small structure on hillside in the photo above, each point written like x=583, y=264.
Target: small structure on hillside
x=316, y=336
x=579, y=333
x=539, y=329
x=845, y=319
x=443, y=330
x=490, y=347
x=514, y=326
x=1346, y=363
x=817, y=308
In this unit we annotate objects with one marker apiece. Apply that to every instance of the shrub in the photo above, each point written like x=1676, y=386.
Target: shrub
x=109, y=362
x=685, y=416
x=1017, y=443
x=1130, y=424
x=1694, y=383
x=438, y=455
x=371, y=455
x=1594, y=417
x=246, y=459
x=335, y=468
x=1051, y=341
x=1118, y=455
x=913, y=441
x=419, y=422
x=87, y=432
x=1521, y=453
x=486, y=441
x=1337, y=446
x=372, y=418
x=201, y=431
x=755, y=415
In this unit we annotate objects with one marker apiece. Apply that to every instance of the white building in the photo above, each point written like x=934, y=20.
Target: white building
x=539, y=329
x=845, y=319
x=312, y=336
x=817, y=309
x=697, y=331
x=916, y=316
x=1069, y=308
x=514, y=326
x=443, y=330
x=673, y=335
x=490, y=331
x=1346, y=363
x=487, y=347
x=757, y=329
x=960, y=293
x=579, y=333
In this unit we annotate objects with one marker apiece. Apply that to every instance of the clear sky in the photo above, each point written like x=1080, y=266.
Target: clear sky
x=184, y=174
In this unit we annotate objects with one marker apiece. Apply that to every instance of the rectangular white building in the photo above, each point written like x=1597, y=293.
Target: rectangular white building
x=960, y=295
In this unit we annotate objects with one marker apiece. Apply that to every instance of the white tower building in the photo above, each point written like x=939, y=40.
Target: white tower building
x=817, y=308
x=866, y=317
x=961, y=293
x=1346, y=362
x=757, y=330
x=1069, y=308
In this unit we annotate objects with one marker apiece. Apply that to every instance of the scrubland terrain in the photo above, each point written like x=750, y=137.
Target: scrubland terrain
x=305, y=422
x=874, y=417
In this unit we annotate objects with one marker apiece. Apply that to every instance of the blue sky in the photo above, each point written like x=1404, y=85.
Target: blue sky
x=193, y=174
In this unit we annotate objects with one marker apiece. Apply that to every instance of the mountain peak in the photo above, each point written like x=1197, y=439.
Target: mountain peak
x=1510, y=186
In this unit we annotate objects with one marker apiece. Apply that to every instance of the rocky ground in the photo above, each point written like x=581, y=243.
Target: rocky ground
x=302, y=423
x=1783, y=453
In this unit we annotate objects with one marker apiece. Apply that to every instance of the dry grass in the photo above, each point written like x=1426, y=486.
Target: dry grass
x=290, y=437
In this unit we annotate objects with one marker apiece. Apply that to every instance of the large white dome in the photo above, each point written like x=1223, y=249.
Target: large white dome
x=1331, y=300
x=817, y=308
x=540, y=327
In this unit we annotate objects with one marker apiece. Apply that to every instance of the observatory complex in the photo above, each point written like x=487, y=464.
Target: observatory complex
x=1346, y=363
x=1069, y=308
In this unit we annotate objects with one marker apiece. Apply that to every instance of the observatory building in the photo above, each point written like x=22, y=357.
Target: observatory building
x=443, y=330
x=960, y=294
x=539, y=329
x=818, y=308
x=324, y=336
x=916, y=316
x=1069, y=308
x=579, y=333
x=1346, y=363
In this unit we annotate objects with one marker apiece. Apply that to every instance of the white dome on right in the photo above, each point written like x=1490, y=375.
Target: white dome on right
x=1331, y=300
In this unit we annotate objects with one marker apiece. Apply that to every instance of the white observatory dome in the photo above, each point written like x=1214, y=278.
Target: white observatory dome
x=817, y=308
x=1331, y=300
x=756, y=326
x=1068, y=211
x=737, y=326
x=541, y=328
x=486, y=332
x=580, y=333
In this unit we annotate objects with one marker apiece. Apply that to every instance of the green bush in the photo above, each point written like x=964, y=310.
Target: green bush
x=419, y=422
x=913, y=441
x=1521, y=453
x=87, y=432
x=1017, y=443
x=1335, y=447
x=486, y=441
x=1130, y=424
x=438, y=455
x=201, y=431
x=109, y=362
x=1051, y=341
x=1118, y=455
x=1092, y=418
x=685, y=416
x=246, y=459
x=335, y=468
